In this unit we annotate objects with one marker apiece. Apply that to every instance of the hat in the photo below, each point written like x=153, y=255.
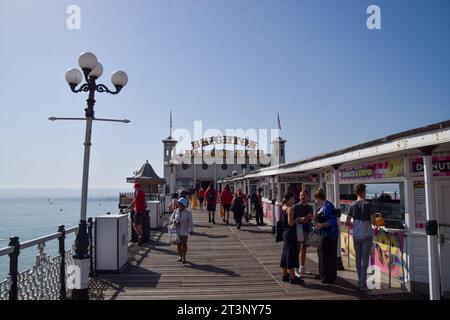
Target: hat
x=183, y=202
x=137, y=185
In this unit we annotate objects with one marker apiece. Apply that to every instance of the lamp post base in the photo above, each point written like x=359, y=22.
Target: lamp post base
x=81, y=288
x=80, y=294
x=81, y=264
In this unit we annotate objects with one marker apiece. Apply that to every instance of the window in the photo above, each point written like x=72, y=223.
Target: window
x=388, y=200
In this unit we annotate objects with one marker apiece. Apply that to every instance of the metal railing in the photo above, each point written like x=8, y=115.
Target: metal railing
x=125, y=198
x=51, y=277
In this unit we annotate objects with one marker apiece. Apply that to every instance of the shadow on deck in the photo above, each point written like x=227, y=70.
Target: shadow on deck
x=223, y=263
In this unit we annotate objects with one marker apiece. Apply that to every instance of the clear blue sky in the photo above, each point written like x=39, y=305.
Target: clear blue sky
x=230, y=63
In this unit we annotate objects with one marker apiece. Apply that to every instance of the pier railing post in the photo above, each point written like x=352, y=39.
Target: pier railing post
x=62, y=266
x=14, y=267
x=91, y=259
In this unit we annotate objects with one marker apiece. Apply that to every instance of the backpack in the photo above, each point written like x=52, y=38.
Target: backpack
x=210, y=196
x=237, y=205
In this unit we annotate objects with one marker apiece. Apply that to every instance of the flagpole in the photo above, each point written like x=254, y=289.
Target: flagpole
x=170, y=135
x=279, y=124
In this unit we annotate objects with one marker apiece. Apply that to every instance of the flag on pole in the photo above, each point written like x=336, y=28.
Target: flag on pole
x=170, y=122
x=279, y=122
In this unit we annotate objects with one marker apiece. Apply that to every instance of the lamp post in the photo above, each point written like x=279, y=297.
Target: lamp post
x=92, y=70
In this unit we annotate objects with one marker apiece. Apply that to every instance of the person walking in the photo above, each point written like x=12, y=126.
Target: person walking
x=211, y=202
x=139, y=211
x=184, y=193
x=289, y=256
x=246, y=211
x=194, y=199
x=304, y=211
x=238, y=208
x=363, y=215
x=182, y=218
x=259, y=208
x=327, y=226
x=201, y=197
x=226, y=197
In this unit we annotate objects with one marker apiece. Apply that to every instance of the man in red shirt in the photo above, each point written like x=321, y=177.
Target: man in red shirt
x=201, y=197
x=226, y=197
x=139, y=208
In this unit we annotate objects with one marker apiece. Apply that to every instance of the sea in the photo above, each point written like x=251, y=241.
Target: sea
x=32, y=213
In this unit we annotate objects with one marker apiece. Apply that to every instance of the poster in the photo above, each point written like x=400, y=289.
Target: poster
x=419, y=204
x=387, y=169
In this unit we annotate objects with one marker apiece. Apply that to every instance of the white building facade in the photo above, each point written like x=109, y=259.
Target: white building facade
x=205, y=163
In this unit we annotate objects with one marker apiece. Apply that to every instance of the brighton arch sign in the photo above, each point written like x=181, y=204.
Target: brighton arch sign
x=224, y=140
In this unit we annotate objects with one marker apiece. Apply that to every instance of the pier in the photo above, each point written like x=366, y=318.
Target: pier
x=222, y=263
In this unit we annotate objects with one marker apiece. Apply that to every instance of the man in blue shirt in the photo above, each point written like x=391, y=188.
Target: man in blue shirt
x=328, y=228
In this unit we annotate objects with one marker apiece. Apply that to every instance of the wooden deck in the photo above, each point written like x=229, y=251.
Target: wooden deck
x=223, y=263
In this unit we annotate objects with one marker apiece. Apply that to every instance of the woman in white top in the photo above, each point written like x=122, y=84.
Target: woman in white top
x=182, y=218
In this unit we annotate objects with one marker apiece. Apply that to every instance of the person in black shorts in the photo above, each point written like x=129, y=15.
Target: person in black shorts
x=211, y=202
x=140, y=206
x=304, y=211
x=226, y=197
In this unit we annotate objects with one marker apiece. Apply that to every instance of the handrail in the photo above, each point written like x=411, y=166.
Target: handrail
x=61, y=278
x=6, y=250
x=31, y=243
x=34, y=242
x=71, y=230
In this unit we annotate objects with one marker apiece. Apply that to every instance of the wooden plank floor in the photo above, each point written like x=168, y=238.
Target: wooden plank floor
x=223, y=263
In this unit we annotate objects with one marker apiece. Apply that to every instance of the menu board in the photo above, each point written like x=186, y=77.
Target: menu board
x=419, y=204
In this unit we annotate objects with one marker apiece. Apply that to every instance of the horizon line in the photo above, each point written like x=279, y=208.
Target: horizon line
x=52, y=187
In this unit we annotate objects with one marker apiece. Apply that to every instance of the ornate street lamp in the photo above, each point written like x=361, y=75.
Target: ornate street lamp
x=91, y=71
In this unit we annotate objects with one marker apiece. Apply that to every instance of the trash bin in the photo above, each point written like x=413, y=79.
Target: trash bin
x=111, y=243
x=154, y=207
